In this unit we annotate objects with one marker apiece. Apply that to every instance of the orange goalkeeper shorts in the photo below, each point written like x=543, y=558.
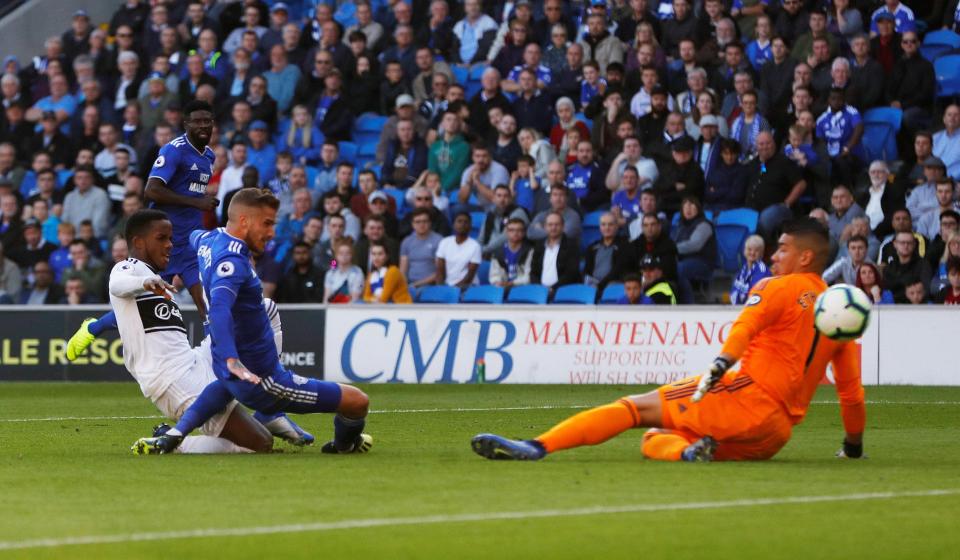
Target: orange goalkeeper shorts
x=747, y=423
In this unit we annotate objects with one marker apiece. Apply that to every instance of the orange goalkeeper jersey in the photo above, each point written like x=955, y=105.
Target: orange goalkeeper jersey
x=845, y=358
x=773, y=337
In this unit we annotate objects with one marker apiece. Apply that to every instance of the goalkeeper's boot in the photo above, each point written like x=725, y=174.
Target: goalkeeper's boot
x=281, y=426
x=500, y=448
x=161, y=429
x=362, y=444
x=80, y=340
x=700, y=451
x=160, y=445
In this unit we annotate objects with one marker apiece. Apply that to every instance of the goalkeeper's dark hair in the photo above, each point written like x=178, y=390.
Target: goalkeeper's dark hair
x=197, y=105
x=811, y=232
x=140, y=223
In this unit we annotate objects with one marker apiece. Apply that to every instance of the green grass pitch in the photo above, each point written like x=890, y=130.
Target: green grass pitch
x=421, y=492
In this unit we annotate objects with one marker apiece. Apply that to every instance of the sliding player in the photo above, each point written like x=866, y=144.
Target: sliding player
x=177, y=185
x=244, y=354
x=732, y=415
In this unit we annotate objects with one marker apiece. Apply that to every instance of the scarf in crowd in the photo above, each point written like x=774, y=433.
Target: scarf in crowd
x=752, y=134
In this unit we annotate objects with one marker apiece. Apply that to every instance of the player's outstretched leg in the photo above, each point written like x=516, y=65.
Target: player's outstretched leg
x=671, y=445
x=348, y=424
x=214, y=398
x=281, y=426
x=89, y=330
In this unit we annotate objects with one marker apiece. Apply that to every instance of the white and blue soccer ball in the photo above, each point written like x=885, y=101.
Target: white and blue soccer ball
x=842, y=312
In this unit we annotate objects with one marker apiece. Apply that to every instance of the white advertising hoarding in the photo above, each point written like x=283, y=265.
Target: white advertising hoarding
x=535, y=344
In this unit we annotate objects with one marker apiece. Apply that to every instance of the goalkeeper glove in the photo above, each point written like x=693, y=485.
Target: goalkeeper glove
x=717, y=369
x=851, y=450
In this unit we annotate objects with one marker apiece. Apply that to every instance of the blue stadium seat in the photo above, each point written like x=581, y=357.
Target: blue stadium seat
x=460, y=74
x=64, y=175
x=889, y=115
x=934, y=51
x=879, y=140
x=483, y=294
x=530, y=293
x=368, y=126
x=312, y=173
x=399, y=198
x=476, y=222
x=576, y=293
x=471, y=88
x=366, y=153
x=439, y=294
x=612, y=293
x=483, y=273
x=476, y=72
x=947, y=69
x=586, y=121
x=942, y=37
x=591, y=228
x=348, y=151
x=346, y=14
x=730, y=240
x=739, y=216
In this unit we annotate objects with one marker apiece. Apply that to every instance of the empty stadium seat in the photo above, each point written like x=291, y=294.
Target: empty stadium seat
x=934, y=51
x=367, y=127
x=531, y=293
x=460, y=74
x=348, y=151
x=399, y=198
x=476, y=222
x=312, y=173
x=746, y=217
x=612, y=293
x=947, y=69
x=438, y=294
x=483, y=273
x=889, y=115
x=879, y=140
x=576, y=293
x=942, y=37
x=483, y=294
x=591, y=228
x=730, y=238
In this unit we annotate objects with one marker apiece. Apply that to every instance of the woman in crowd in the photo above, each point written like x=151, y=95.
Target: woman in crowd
x=301, y=137
x=537, y=147
x=706, y=105
x=566, y=119
x=696, y=242
x=385, y=283
x=870, y=281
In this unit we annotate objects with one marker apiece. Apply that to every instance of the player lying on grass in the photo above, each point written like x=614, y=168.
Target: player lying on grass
x=244, y=354
x=177, y=185
x=743, y=415
x=157, y=353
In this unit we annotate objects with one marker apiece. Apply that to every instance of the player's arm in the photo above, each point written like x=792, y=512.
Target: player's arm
x=224, y=286
x=763, y=308
x=125, y=283
x=853, y=411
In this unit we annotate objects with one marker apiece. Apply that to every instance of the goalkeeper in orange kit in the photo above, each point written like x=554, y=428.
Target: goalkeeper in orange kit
x=746, y=414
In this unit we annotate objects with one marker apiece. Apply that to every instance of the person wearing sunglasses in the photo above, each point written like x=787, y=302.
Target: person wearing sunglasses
x=912, y=84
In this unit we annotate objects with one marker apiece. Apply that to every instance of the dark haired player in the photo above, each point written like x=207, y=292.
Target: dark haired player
x=244, y=353
x=747, y=414
x=177, y=185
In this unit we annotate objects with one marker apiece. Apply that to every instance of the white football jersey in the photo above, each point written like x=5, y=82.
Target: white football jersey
x=156, y=350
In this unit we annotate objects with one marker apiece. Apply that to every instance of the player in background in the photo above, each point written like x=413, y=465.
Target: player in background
x=177, y=185
x=244, y=354
x=743, y=415
x=156, y=351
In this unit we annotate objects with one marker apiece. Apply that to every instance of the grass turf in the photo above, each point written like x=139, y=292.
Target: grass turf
x=67, y=478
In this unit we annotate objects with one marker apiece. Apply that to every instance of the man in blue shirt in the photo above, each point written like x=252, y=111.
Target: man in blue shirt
x=841, y=127
x=245, y=359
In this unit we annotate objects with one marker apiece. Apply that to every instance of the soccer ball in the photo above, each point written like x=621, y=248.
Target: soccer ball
x=842, y=312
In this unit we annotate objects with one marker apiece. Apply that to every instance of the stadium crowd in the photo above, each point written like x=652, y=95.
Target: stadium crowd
x=640, y=150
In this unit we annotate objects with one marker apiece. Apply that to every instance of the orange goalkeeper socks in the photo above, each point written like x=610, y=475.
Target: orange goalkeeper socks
x=591, y=427
x=663, y=446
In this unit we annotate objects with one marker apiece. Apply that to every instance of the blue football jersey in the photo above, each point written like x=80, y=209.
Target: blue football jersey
x=186, y=171
x=225, y=267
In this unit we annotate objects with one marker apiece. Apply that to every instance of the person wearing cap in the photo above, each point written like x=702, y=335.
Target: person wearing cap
x=155, y=101
x=657, y=290
x=707, y=148
x=76, y=40
x=52, y=141
x=599, y=44
x=896, y=12
x=923, y=197
x=681, y=177
x=279, y=17
x=261, y=153
x=885, y=43
x=405, y=110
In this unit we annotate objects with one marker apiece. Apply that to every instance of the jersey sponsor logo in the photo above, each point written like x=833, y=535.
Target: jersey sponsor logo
x=159, y=314
x=225, y=269
x=204, y=178
x=165, y=311
x=198, y=187
x=160, y=161
x=754, y=299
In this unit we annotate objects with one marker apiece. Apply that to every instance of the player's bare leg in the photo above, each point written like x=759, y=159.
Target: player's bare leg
x=243, y=430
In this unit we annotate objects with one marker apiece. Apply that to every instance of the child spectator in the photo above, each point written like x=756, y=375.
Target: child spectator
x=593, y=85
x=344, y=282
x=524, y=183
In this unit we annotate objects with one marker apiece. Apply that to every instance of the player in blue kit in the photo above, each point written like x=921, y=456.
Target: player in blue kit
x=244, y=354
x=177, y=185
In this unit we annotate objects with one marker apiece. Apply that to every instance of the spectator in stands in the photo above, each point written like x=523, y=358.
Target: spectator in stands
x=11, y=280
x=626, y=203
x=844, y=211
x=559, y=198
x=707, y=148
x=749, y=124
x=105, y=162
x=774, y=185
x=44, y=290
x=232, y=177
x=844, y=269
x=260, y=152
x=290, y=227
x=531, y=107
x=343, y=283
x=40, y=211
x=880, y=199
x=50, y=140
x=374, y=229
x=609, y=257
x=946, y=143
x=732, y=105
x=585, y=178
x=426, y=193
x=556, y=257
x=365, y=23
x=752, y=271
x=951, y=248
x=493, y=230
x=870, y=280
x=87, y=202
x=950, y=294
x=385, y=282
x=912, y=84
x=86, y=268
x=305, y=143
x=332, y=115
x=251, y=22
x=329, y=152
x=841, y=128
x=473, y=35
x=696, y=241
x=458, y=256
x=915, y=292
x=304, y=282
x=406, y=157
x=321, y=251
x=599, y=45
x=929, y=222
x=432, y=104
x=534, y=145
x=901, y=222
x=895, y=11
x=155, y=100
x=682, y=25
x=681, y=177
x=631, y=155
x=923, y=197
x=405, y=111
x=419, y=249
x=450, y=153
x=726, y=185
x=905, y=267
x=511, y=263
x=333, y=205
x=34, y=248
x=480, y=179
